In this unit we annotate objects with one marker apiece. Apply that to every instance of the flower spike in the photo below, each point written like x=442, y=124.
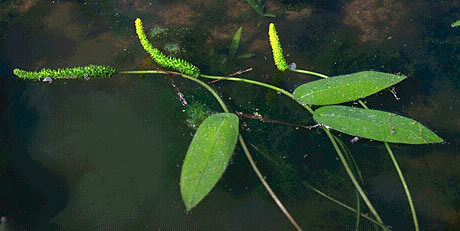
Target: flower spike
x=276, y=48
x=170, y=62
x=90, y=71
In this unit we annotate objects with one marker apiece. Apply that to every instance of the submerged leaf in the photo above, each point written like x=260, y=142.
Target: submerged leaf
x=245, y=56
x=257, y=6
x=235, y=42
x=375, y=125
x=456, y=24
x=207, y=157
x=345, y=88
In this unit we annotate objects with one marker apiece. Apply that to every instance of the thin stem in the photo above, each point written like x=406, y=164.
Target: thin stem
x=324, y=194
x=351, y=176
x=267, y=187
x=345, y=206
x=352, y=160
x=362, y=104
x=401, y=177
x=308, y=72
x=284, y=92
x=406, y=188
x=240, y=138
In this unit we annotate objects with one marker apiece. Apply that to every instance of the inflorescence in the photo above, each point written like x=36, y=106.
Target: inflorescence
x=90, y=71
x=170, y=62
x=276, y=48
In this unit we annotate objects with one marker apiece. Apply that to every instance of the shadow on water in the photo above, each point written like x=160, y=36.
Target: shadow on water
x=30, y=194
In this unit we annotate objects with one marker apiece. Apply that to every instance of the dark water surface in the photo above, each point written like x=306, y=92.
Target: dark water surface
x=106, y=154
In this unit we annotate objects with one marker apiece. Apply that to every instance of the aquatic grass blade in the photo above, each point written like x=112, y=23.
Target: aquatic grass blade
x=455, y=24
x=345, y=88
x=207, y=157
x=375, y=125
x=235, y=42
x=256, y=6
x=245, y=56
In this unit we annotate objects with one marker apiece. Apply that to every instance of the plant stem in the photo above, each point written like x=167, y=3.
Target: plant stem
x=267, y=187
x=351, y=176
x=282, y=91
x=345, y=206
x=406, y=188
x=309, y=72
x=240, y=138
x=270, y=159
x=401, y=177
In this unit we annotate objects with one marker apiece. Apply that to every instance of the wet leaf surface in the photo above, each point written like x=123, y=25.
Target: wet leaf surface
x=375, y=125
x=208, y=156
x=345, y=88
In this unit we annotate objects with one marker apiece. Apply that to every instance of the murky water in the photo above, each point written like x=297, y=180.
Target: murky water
x=106, y=154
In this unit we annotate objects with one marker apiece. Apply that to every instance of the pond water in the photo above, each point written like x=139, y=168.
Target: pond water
x=106, y=154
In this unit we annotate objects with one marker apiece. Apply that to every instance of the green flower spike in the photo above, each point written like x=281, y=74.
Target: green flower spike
x=180, y=65
x=276, y=48
x=90, y=71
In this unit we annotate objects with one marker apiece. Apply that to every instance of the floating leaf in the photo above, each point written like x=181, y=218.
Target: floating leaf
x=235, y=42
x=375, y=125
x=345, y=88
x=456, y=24
x=207, y=157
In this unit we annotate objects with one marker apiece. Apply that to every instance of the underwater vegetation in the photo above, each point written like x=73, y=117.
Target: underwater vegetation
x=258, y=6
x=218, y=133
x=224, y=61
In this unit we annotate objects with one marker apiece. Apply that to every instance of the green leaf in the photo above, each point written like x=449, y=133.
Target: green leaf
x=207, y=157
x=456, y=24
x=257, y=6
x=245, y=56
x=269, y=15
x=235, y=42
x=345, y=88
x=375, y=125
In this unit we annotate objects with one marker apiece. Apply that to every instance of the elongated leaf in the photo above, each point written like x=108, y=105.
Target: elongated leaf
x=207, y=157
x=235, y=42
x=345, y=88
x=245, y=56
x=456, y=23
x=375, y=125
x=257, y=6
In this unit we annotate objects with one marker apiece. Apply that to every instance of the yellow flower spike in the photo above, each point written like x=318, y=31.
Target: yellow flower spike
x=276, y=48
x=166, y=61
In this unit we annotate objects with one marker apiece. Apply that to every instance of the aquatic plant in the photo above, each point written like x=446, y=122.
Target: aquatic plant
x=169, y=62
x=90, y=71
x=258, y=6
x=278, y=57
x=216, y=137
x=223, y=61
